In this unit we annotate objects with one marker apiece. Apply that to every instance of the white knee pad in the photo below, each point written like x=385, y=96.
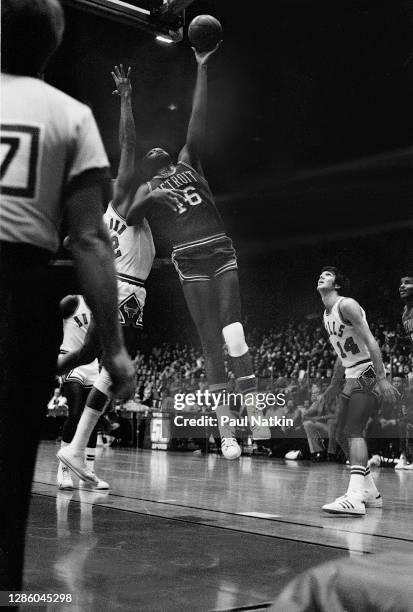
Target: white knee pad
x=235, y=339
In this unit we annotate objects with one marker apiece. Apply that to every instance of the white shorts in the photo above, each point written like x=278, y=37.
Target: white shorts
x=86, y=375
x=358, y=370
x=103, y=382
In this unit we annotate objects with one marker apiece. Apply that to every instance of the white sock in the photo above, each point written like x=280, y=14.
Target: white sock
x=90, y=458
x=369, y=483
x=84, y=428
x=357, y=478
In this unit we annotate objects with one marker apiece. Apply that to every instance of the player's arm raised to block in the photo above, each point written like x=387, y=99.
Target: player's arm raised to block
x=122, y=196
x=351, y=311
x=195, y=138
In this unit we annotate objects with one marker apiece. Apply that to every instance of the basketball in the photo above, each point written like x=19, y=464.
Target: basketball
x=204, y=32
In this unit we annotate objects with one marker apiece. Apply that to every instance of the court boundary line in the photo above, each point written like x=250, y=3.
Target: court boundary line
x=236, y=514
x=212, y=526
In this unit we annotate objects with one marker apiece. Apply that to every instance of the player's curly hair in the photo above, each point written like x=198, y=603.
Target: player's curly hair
x=31, y=32
x=341, y=281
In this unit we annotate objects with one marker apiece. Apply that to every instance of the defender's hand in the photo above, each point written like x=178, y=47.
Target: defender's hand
x=173, y=198
x=122, y=373
x=122, y=81
x=387, y=391
x=202, y=57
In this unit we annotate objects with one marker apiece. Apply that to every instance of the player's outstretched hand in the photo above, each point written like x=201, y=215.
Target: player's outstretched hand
x=122, y=81
x=174, y=198
x=123, y=374
x=387, y=391
x=202, y=57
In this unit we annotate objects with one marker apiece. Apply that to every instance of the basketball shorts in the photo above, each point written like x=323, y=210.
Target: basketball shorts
x=204, y=259
x=85, y=375
x=365, y=382
x=131, y=303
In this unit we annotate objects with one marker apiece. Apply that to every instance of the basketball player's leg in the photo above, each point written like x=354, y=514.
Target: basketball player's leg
x=229, y=305
x=76, y=395
x=361, y=491
x=73, y=392
x=73, y=455
x=202, y=303
x=361, y=406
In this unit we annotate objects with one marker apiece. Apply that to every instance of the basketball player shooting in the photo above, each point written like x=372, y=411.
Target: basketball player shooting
x=202, y=254
x=134, y=254
x=359, y=359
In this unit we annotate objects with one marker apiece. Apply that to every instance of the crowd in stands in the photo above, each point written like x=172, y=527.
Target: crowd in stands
x=298, y=361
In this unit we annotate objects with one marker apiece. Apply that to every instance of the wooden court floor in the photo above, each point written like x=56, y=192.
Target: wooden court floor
x=180, y=532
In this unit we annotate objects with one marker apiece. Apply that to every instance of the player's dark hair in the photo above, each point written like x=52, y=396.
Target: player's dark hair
x=341, y=280
x=407, y=274
x=31, y=32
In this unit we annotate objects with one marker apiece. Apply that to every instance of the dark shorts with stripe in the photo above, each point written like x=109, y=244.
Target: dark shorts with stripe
x=204, y=259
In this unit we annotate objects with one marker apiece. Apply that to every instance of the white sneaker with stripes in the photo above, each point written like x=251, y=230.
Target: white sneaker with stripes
x=351, y=503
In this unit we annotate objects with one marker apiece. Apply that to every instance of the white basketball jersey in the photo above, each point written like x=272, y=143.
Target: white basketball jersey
x=76, y=326
x=47, y=140
x=134, y=254
x=348, y=345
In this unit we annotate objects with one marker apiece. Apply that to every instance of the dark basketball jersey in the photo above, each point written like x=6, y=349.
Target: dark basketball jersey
x=198, y=218
x=407, y=318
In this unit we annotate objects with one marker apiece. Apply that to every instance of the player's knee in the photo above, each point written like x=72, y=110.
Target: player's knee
x=235, y=339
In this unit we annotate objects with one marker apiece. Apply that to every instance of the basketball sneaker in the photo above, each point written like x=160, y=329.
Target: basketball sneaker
x=351, y=503
x=403, y=465
x=98, y=485
x=75, y=460
x=64, y=479
x=230, y=448
x=374, y=461
x=372, y=499
x=294, y=455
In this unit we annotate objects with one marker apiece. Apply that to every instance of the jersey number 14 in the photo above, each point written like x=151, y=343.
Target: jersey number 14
x=349, y=347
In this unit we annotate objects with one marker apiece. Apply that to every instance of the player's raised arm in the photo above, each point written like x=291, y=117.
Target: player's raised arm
x=195, y=139
x=127, y=141
x=351, y=311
